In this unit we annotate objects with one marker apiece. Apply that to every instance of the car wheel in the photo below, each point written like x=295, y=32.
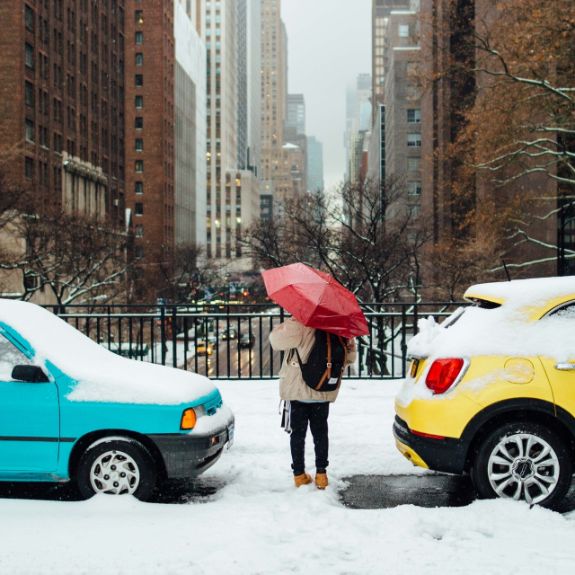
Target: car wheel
x=523, y=461
x=117, y=466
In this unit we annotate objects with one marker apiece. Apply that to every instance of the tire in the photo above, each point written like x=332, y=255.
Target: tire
x=523, y=461
x=117, y=466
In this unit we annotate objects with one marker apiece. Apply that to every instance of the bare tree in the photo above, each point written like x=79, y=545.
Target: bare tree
x=186, y=275
x=367, y=239
x=518, y=133
x=75, y=258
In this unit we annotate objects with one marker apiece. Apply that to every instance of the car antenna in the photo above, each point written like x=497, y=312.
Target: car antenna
x=506, y=270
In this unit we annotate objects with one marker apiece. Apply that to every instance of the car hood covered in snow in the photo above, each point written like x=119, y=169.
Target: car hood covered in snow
x=98, y=374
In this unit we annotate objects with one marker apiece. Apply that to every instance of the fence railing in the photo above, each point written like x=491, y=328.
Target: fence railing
x=230, y=341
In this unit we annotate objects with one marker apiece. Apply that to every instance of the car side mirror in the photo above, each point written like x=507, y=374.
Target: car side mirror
x=29, y=374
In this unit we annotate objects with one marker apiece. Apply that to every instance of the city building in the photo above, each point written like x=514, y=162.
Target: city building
x=62, y=104
x=402, y=101
x=295, y=113
x=380, y=10
x=222, y=125
x=150, y=133
x=190, y=126
x=315, y=181
x=358, y=120
x=274, y=95
x=446, y=37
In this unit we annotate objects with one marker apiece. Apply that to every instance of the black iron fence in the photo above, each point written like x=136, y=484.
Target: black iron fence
x=231, y=341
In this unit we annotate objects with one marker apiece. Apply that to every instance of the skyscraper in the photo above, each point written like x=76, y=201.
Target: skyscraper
x=314, y=165
x=150, y=142
x=273, y=85
x=190, y=126
x=295, y=119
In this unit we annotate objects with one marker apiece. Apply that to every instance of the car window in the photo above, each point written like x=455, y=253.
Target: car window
x=10, y=356
x=565, y=311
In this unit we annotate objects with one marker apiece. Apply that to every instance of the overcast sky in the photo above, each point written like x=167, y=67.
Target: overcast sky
x=329, y=44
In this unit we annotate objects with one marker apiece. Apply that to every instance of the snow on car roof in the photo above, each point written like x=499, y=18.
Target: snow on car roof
x=506, y=330
x=532, y=291
x=101, y=375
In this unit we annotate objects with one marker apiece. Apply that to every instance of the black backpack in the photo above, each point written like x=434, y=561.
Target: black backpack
x=326, y=361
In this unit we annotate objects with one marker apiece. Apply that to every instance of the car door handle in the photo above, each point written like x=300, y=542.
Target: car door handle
x=565, y=366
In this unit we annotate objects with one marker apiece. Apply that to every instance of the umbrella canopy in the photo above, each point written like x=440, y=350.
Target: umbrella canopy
x=315, y=299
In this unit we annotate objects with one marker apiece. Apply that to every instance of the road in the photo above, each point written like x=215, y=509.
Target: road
x=229, y=360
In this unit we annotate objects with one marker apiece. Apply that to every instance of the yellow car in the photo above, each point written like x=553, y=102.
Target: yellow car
x=491, y=391
x=204, y=348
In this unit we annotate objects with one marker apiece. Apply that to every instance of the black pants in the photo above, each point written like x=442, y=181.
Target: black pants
x=316, y=414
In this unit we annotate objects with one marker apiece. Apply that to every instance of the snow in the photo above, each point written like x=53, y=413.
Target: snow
x=258, y=523
x=101, y=375
x=528, y=291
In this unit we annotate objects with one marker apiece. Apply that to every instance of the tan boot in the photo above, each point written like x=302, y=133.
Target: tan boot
x=321, y=481
x=302, y=479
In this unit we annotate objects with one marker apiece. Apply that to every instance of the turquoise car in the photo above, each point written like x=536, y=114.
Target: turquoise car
x=72, y=411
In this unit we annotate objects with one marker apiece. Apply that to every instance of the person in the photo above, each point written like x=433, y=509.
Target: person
x=304, y=404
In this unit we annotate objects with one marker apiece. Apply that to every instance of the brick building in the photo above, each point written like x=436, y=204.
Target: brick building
x=150, y=114
x=447, y=39
x=62, y=103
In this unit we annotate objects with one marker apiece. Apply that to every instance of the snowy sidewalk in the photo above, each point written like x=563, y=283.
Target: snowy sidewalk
x=257, y=523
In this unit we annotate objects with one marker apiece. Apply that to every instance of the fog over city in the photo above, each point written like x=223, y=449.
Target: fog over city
x=329, y=44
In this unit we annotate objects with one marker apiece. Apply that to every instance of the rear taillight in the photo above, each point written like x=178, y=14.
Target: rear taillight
x=443, y=373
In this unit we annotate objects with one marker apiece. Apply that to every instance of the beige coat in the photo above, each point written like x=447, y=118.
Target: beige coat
x=289, y=335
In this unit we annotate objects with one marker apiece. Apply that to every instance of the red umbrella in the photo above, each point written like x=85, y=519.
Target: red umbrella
x=315, y=299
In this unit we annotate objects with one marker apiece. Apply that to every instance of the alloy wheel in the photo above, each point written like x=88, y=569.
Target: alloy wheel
x=523, y=466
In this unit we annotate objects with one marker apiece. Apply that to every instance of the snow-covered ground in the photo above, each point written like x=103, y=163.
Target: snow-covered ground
x=258, y=523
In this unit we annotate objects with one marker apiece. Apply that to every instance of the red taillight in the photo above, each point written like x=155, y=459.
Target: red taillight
x=443, y=373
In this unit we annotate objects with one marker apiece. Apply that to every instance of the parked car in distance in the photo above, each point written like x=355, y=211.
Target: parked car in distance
x=204, y=348
x=71, y=410
x=492, y=391
x=246, y=340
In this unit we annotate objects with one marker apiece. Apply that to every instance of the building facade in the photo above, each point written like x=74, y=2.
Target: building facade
x=190, y=128
x=150, y=133
x=315, y=181
x=62, y=104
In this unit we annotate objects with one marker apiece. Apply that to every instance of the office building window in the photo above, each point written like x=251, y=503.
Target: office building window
x=139, y=102
x=29, y=167
x=138, y=122
x=139, y=59
x=414, y=188
x=139, y=209
x=414, y=140
x=29, y=94
x=139, y=80
x=139, y=166
x=29, y=56
x=413, y=164
x=30, y=135
x=139, y=145
x=404, y=30
x=139, y=188
x=29, y=18
x=414, y=115
x=139, y=231
x=139, y=38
